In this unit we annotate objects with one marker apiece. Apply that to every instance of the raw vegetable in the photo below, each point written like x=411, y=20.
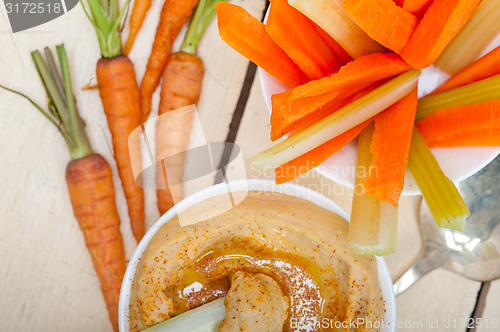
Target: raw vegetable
x=181, y=87
x=89, y=180
x=416, y=7
x=337, y=123
x=173, y=16
x=382, y=20
x=441, y=195
x=342, y=56
x=307, y=49
x=205, y=318
x=330, y=16
x=390, y=145
x=313, y=158
x=477, y=33
x=137, y=16
x=486, y=66
x=440, y=24
x=465, y=125
x=483, y=90
x=294, y=107
x=374, y=223
x=120, y=99
x=248, y=36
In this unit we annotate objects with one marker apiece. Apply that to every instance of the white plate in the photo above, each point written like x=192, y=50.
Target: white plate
x=250, y=185
x=457, y=163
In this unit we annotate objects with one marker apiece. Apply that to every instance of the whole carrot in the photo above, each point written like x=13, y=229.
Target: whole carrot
x=139, y=12
x=174, y=15
x=181, y=87
x=89, y=181
x=121, y=101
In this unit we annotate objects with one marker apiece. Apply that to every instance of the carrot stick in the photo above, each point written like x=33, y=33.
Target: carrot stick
x=121, y=102
x=173, y=16
x=390, y=147
x=313, y=158
x=89, y=180
x=382, y=20
x=291, y=30
x=342, y=56
x=486, y=66
x=416, y=7
x=181, y=87
x=137, y=16
x=466, y=125
x=293, y=107
x=248, y=36
x=440, y=24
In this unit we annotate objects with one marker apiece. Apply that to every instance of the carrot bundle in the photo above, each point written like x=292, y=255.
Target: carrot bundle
x=173, y=16
x=89, y=181
x=121, y=102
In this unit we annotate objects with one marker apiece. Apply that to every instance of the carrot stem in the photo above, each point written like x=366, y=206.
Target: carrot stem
x=203, y=15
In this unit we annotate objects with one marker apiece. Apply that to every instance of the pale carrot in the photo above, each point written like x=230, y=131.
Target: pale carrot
x=121, y=102
x=173, y=16
x=440, y=24
x=89, y=181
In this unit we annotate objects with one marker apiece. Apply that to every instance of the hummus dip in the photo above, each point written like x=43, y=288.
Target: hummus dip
x=281, y=262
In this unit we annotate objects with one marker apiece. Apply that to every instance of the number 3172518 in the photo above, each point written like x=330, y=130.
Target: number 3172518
x=33, y=8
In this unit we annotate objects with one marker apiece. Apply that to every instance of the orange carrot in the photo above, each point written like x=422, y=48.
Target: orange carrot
x=416, y=7
x=88, y=178
x=248, y=36
x=137, y=16
x=121, y=102
x=383, y=21
x=173, y=16
x=291, y=30
x=440, y=24
x=313, y=158
x=293, y=107
x=390, y=147
x=342, y=56
x=467, y=125
x=486, y=66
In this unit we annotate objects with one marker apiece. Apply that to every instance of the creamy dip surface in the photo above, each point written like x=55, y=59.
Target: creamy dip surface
x=295, y=260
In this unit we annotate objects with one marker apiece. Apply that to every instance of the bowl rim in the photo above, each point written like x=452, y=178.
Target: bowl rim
x=291, y=189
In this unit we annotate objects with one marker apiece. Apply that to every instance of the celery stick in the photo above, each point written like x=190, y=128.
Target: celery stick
x=206, y=318
x=336, y=123
x=483, y=90
x=374, y=223
x=441, y=195
x=330, y=16
x=476, y=34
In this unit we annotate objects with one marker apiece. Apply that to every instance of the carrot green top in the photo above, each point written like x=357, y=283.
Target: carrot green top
x=62, y=108
x=105, y=17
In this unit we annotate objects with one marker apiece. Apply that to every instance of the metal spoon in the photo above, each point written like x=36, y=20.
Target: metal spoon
x=473, y=253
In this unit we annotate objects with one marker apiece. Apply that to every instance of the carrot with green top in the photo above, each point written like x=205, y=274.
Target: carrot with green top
x=137, y=16
x=382, y=20
x=173, y=16
x=89, y=180
x=440, y=24
x=291, y=30
x=248, y=36
x=390, y=146
x=181, y=87
x=121, y=101
x=475, y=124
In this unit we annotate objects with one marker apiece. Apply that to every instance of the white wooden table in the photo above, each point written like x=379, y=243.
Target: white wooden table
x=47, y=282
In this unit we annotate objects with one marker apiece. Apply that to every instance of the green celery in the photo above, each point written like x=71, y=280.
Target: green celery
x=336, y=123
x=374, y=223
x=483, y=90
x=440, y=193
x=476, y=34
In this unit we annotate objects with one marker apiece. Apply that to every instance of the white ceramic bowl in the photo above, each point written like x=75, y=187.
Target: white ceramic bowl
x=251, y=185
x=458, y=163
